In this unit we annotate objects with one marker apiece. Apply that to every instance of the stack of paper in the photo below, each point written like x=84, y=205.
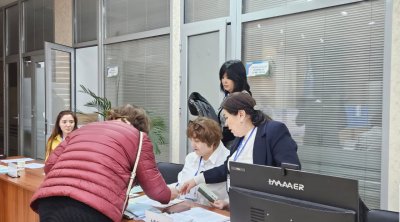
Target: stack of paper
x=146, y=200
x=137, y=210
x=202, y=215
x=3, y=169
x=16, y=160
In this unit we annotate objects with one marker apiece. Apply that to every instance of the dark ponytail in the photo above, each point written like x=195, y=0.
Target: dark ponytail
x=258, y=117
x=243, y=101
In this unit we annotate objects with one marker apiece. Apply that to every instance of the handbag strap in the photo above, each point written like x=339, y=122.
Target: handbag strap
x=133, y=173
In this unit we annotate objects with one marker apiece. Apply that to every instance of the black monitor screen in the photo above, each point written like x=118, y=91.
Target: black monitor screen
x=262, y=193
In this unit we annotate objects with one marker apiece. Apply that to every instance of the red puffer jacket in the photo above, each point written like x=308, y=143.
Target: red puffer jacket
x=94, y=163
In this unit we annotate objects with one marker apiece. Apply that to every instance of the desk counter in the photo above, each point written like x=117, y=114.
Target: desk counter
x=190, y=204
x=16, y=194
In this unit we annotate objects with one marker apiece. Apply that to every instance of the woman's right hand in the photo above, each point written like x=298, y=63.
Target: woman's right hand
x=174, y=193
x=187, y=186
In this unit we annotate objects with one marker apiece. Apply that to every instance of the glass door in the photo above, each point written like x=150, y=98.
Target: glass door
x=39, y=110
x=27, y=101
x=12, y=90
x=60, y=82
x=33, y=108
x=204, y=50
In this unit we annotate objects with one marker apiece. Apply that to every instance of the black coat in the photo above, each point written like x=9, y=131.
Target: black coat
x=273, y=146
x=199, y=106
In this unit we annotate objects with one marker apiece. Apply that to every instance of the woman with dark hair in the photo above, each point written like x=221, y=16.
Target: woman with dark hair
x=259, y=140
x=232, y=76
x=66, y=122
x=88, y=175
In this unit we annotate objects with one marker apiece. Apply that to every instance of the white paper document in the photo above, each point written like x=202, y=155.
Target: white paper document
x=16, y=160
x=34, y=165
x=136, y=189
x=146, y=200
x=202, y=215
x=3, y=169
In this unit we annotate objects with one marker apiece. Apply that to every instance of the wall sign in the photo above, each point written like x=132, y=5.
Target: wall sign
x=112, y=71
x=258, y=68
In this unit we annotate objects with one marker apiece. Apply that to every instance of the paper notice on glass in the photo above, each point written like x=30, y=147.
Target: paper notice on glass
x=16, y=160
x=112, y=71
x=34, y=165
x=146, y=200
x=202, y=215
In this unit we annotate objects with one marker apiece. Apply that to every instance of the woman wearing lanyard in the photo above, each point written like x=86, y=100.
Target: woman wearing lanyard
x=260, y=140
x=205, y=136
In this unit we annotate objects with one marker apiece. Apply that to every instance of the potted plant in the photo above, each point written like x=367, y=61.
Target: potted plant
x=157, y=124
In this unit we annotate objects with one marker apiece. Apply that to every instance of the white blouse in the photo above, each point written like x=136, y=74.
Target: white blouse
x=245, y=154
x=194, y=167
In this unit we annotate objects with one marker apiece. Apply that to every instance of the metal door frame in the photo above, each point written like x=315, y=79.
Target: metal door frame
x=33, y=60
x=204, y=27
x=9, y=60
x=48, y=47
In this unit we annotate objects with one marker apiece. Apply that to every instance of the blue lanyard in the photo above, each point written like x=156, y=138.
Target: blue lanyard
x=240, y=149
x=198, y=168
x=197, y=172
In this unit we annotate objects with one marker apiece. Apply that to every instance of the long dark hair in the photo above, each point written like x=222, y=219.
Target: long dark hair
x=57, y=129
x=243, y=101
x=236, y=72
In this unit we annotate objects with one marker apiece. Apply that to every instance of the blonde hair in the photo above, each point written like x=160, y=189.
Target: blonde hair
x=135, y=115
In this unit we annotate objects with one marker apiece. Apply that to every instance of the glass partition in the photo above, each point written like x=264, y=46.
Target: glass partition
x=12, y=108
x=126, y=16
x=12, y=31
x=39, y=23
x=86, y=20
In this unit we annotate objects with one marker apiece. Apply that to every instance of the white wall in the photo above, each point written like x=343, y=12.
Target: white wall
x=394, y=119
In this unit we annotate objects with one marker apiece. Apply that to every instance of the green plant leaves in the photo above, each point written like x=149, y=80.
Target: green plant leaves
x=157, y=125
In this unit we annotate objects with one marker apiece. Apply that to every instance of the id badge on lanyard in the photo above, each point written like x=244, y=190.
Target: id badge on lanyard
x=228, y=182
x=192, y=195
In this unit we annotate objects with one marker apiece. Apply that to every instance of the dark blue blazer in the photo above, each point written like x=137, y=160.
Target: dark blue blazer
x=273, y=146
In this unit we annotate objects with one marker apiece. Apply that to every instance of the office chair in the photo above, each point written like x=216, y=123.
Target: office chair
x=382, y=216
x=169, y=171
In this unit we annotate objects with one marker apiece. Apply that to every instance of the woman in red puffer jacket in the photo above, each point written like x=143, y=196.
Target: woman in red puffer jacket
x=88, y=173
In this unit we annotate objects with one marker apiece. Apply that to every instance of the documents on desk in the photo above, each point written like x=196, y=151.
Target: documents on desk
x=3, y=169
x=137, y=206
x=17, y=160
x=146, y=200
x=199, y=214
x=13, y=170
x=196, y=214
x=144, y=208
x=34, y=165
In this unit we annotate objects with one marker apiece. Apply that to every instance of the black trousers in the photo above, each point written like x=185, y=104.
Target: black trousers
x=65, y=209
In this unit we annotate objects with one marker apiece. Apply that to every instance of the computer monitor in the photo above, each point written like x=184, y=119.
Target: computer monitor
x=262, y=193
